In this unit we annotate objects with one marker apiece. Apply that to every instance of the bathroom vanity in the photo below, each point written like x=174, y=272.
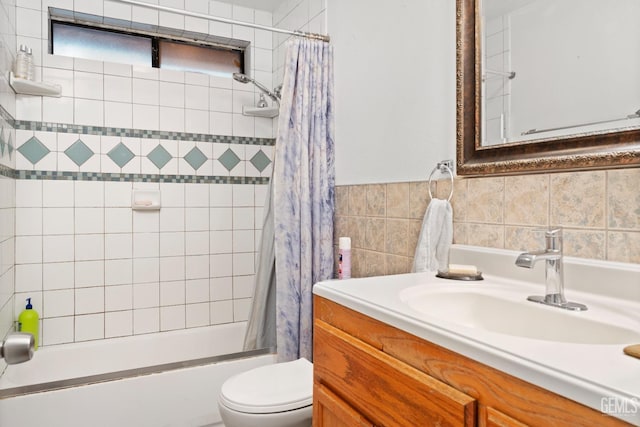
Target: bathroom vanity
x=380, y=359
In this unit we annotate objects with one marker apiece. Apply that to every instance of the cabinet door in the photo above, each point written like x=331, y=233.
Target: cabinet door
x=384, y=390
x=331, y=411
x=490, y=417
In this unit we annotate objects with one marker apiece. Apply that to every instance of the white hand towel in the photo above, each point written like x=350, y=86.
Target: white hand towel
x=436, y=236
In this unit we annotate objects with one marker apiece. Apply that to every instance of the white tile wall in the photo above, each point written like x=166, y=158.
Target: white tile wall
x=75, y=249
x=122, y=272
x=305, y=15
x=7, y=268
x=96, y=269
x=497, y=87
x=106, y=94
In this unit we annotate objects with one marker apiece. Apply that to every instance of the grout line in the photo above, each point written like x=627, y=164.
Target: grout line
x=606, y=215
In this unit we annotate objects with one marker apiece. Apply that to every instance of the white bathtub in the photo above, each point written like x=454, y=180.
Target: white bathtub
x=166, y=379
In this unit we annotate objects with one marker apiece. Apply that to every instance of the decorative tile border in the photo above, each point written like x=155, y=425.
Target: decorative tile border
x=7, y=136
x=4, y=114
x=36, y=153
x=132, y=177
x=260, y=160
x=139, y=133
x=8, y=172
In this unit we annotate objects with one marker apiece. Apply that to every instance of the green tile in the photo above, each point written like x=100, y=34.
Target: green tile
x=79, y=152
x=120, y=155
x=10, y=147
x=159, y=156
x=229, y=159
x=260, y=160
x=2, y=143
x=195, y=158
x=33, y=149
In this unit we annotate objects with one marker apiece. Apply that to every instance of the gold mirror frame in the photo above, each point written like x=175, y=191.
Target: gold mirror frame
x=597, y=150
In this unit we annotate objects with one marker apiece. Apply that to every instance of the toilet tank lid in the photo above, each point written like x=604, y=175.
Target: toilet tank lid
x=272, y=388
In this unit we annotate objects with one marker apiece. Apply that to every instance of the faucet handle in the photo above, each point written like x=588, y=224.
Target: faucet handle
x=553, y=232
x=553, y=238
x=549, y=231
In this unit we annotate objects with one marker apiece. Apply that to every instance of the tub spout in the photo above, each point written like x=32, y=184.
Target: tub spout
x=17, y=348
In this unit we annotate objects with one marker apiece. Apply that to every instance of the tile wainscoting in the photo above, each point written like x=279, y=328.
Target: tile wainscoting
x=599, y=210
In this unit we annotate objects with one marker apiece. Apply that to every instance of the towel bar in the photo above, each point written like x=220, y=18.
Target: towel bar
x=442, y=167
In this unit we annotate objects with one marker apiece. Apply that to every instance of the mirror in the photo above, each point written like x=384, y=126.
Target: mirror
x=515, y=115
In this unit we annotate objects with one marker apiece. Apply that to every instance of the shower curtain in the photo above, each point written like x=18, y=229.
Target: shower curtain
x=261, y=327
x=302, y=205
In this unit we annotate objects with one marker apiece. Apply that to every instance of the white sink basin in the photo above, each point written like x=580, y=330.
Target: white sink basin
x=499, y=310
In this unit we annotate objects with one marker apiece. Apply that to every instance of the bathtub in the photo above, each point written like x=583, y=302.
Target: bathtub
x=165, y=379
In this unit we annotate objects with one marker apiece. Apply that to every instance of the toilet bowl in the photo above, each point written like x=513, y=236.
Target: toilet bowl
x=278, y=395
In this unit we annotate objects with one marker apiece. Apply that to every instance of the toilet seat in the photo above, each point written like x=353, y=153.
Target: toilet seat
x=269, y=389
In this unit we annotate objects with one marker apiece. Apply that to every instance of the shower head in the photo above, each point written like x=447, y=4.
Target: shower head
x=243, y=78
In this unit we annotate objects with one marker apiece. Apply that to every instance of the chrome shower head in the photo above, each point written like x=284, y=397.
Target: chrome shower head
x=243, y=78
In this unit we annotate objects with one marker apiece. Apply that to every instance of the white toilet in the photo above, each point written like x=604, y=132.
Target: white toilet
x=278, y=395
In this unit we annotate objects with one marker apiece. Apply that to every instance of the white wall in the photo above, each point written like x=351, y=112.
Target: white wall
x=395, y=88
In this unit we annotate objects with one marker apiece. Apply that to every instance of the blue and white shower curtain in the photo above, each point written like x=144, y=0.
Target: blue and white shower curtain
x=303, y=192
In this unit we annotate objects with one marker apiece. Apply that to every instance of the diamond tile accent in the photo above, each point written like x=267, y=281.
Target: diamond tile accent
x=2, y=143
x=10, y=147
x=33, y=149
x=159, y=156
x=121, y=155
x=195, y=158
x=229, y=159
x=260, y=160
x=79, y=152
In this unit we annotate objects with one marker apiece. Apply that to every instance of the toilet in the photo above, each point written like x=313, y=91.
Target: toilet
x=278, y=395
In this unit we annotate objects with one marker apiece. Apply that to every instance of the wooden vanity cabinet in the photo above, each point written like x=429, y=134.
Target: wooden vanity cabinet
x=367, y=373
x=330, y=410
x=383, y=390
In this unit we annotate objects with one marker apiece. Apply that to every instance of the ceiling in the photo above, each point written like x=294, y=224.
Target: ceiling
x=268, y=5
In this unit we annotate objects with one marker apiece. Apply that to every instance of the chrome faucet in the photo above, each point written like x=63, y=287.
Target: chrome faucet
x=17, y=348
x=552, y=255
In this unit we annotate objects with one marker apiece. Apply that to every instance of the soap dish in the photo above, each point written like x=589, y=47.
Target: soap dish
x=460, y=276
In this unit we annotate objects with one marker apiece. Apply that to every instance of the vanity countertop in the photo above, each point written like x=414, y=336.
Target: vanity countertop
x=600, y=376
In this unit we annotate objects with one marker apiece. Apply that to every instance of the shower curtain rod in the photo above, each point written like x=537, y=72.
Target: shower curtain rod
x=314, y=36
x=635, y=115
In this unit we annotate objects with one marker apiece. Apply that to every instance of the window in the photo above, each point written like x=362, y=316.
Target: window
x=89, y=43
x=181, y=56
x=151, y=50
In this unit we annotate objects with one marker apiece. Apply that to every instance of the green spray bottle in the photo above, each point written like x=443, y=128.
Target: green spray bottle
x=30, y=322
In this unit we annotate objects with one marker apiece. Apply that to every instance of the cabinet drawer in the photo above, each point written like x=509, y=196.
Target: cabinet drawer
x=331, y=411
x=383, y=389
x=490, y=417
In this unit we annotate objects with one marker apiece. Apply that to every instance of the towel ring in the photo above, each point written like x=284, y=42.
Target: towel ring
x=442, y=167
